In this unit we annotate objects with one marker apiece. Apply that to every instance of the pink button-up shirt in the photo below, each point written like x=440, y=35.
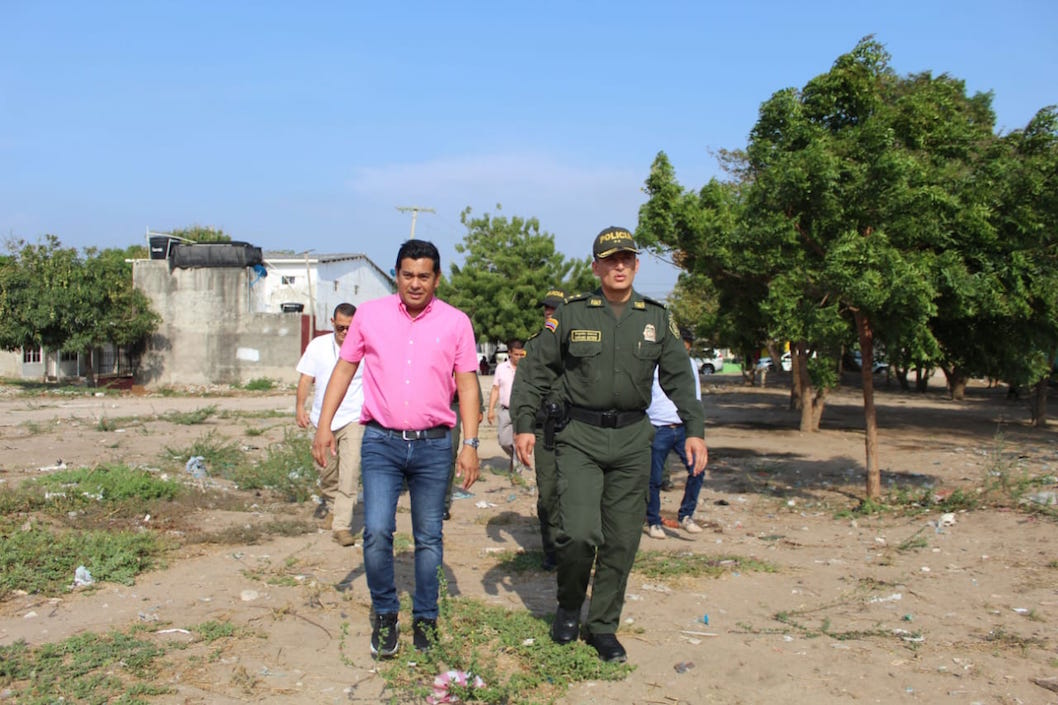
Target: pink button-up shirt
x=408, y=383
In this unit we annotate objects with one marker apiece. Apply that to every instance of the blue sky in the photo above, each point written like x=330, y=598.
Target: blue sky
x=305, y=125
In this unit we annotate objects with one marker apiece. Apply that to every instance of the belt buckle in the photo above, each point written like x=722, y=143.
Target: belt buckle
x=609, y=419
x=410, y=435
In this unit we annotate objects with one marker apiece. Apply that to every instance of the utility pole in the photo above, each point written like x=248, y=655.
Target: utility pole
x=414, y=214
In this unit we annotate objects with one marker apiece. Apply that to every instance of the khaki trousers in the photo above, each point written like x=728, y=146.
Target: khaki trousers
x=340, y=478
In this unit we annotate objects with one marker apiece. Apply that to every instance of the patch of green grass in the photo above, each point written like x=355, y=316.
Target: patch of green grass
x=118, y=667
x=39, y=560
x=259, y=384
x=663, y=565
x=109, y=483
x=34, y=428
x=1002, y=638
x=254, y=414
x=520, y=561
x=221, y=456
x=213, y=630
x=100, y=497
x=287, y=469
x=403, y=543
x=914, y=541
x=510, y=650
x=190, y=418
x=86, y=668
x=112, y=424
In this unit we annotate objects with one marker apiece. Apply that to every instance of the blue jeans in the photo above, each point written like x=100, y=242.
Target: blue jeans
x=667, y=439
x=386, y=461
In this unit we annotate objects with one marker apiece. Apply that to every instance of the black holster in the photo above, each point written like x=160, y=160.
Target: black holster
x=556, y=417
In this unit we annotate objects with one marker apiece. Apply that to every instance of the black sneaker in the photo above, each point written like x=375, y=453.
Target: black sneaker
x=424, y=633
x=384, y=633
x=321, y=510
x=609, y=649
x=550, y=562
x=565, y=626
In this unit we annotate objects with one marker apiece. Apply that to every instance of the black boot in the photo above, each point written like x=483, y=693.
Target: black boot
x=566, y=626
x=609, y=649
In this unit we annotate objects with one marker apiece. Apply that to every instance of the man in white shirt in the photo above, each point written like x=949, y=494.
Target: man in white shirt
x=339, y=478
x=502, y=381
x=670, y=435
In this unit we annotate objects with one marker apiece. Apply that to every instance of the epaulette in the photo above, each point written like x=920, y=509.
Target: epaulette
x=653, y=301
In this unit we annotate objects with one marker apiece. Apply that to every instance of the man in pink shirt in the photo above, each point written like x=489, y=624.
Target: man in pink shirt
x=501, y=393
x=417, y=351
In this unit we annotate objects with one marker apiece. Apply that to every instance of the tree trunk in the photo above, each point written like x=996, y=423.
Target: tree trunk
x=90, y=367
x=813, y=403
x=957, y=380
x=1039, y=403
x=921, y=380
x=870, y=416
x=799, y=367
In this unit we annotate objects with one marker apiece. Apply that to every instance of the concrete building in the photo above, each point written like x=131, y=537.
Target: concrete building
x=230, y=325
x=223, y=323
x=317, y=282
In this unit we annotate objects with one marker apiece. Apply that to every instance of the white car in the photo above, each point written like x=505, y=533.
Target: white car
x=712, y=363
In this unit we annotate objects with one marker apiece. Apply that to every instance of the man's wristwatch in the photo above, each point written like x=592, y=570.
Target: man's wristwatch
x=472, y=442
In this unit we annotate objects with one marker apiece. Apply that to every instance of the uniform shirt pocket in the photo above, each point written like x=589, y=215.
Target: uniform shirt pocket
x=584, y=359
x=646, y=350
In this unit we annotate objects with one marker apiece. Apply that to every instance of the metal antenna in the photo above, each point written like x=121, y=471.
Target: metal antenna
x=414, y=214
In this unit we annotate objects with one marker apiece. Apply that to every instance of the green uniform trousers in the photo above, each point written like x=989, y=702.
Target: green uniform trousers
x=603, y=478
x=546, y=493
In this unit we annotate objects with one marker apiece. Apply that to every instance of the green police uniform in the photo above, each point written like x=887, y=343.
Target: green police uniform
x=546, y=480
x=601, y=366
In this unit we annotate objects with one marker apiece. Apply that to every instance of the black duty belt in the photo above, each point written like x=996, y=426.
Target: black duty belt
x=435, y=432
x=610, y=418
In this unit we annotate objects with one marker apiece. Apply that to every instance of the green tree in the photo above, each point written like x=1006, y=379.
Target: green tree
x=55, y=297
x=856, y=201
x=1023, y=344
x=509, y=265
x=201, y=233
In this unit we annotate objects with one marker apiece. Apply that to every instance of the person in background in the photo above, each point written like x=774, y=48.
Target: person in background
x=670, y=435
x=340, y=473
x=417, y=351
x=544, y=458
x=597, y=356
x=502, y=381
x=456, y=435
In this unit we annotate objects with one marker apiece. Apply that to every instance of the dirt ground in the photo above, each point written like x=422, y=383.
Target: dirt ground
x=963, y=612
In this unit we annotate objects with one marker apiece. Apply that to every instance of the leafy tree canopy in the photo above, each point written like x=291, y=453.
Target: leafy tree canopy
x=509, y=266
x=201, y=233
x=54, y=296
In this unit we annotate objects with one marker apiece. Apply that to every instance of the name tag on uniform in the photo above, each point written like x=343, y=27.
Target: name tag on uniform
x=585, y=336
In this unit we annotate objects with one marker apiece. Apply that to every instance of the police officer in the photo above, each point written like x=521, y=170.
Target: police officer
x=543, y=456
x=597, y=355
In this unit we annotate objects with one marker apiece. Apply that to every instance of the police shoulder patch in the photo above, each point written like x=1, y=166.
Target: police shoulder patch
x=551, y=324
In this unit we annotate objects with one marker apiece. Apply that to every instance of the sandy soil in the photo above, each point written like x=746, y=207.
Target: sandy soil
x=849, y=615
